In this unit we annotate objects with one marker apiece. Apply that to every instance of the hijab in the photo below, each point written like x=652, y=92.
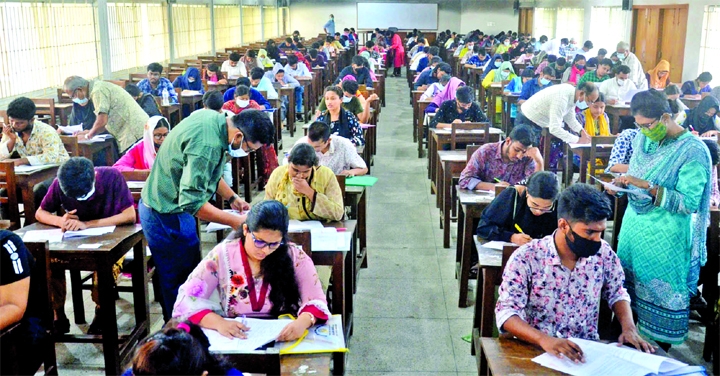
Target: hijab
x=655, y=81
x=449, y=92
x=184, y=83
x=149, y=152
x=697, y=118
x=263, y=60
x=505, y=65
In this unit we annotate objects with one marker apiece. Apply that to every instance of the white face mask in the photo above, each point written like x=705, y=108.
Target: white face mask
x=504, y=74
x=346, y=99
x=506, y=43
x=87, y=195
x=191, y=80
x=582, y=105
x=620, y=82
x=242, y=103
x=621, y=56
x=236, y=153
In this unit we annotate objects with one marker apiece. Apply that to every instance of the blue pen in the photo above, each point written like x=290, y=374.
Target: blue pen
x=244, y=320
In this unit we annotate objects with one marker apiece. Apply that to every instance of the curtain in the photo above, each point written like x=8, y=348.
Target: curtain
x=608, y=27
x=544, y=22
x=251, y=25
x=570, y=23
x=191, y=30
x=227, y=26
x=270, y=22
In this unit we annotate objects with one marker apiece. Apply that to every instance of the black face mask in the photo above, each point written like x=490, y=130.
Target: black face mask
x=582, y=247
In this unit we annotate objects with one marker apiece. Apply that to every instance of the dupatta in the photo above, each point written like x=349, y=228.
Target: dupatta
x=449, y=92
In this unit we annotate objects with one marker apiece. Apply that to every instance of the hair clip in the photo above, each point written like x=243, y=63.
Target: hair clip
x=183, y=326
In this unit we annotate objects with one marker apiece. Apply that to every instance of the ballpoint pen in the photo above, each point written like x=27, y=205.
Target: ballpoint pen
x=519, y=229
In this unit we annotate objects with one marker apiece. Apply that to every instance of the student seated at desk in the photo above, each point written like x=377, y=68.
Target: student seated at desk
x=432, y=73
x=254, y=94
x=515, y=86
x=233, y=67
x=694, y=89
x=308, y=191
x=530, y=208
x=352, y=100
x=262, y=83
x=213, y=75
x=506, y=72
x=141, y=156
x=704, y=119
x=480, y=59
x=262, y=257
x=180, y=348
x=91, y=197
x=507, y=162
x=316, y=59
x=678, y=107
x=241, y=101
x=334, y=152
x=617, y=88
x=463, y=108
x=492, y=64
x=560, y=66
x=534, y=85
x=435, y=88
x=358, y=70
x=575, y=72
x=659, y=77
x=263, y=61
x=341, y=121
x=155, y=85
x=527, y=57
x=567, y=273
x=249, y=60
x=144, y=100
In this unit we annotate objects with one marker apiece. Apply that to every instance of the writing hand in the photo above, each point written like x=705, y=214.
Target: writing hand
x=584, y=138
x=563, y=348
x=520, y=239
x=73, y=225
x=232, y=329
x=293, y=330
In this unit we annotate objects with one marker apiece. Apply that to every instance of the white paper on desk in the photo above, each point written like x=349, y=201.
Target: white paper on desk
x=328, y=337
x=26, y=169
x=629, y=95
x=498, y=245
x=53, y=236
x=190, y=93
x=329, y=239
x=71, y=129
x=136, y=184
x=299, y=226
x=615, y=188
x=213, y=226
x=606, y=359
x=95, y=231
x=261, y=333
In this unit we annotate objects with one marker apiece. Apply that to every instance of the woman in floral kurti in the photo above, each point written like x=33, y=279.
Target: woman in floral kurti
x=261, y=260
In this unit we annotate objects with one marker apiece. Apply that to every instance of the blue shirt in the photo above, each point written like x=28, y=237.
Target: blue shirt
x=254, y=96
x=530, y=88
x=330, y=26
x=426, y=78
x=422, y=64
x=475, y=60
x=163, y=84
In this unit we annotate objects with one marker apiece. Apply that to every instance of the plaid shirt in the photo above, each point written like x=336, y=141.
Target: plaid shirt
x=591, y=77
x=164, y=83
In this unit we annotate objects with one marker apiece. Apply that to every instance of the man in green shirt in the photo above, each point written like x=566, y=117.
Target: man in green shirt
x=186, y=174
x=598, y=75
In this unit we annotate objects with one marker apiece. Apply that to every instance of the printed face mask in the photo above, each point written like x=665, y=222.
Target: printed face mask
x=656, y=134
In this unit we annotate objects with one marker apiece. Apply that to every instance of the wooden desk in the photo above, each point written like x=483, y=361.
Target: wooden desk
x=308, y=103
x=416, y=94
x=191, y=100
x=451, y=163
x=489, y=263
x=614, y=112
x=691, y=103
x=172, y=113
x=510, y=356
x=584, y=152
x=476, y=79
x=472, y=204
x=420, y=125
x=370, y=135
x=88, y=149
x=509, y=100
x=61, y=108
x=290, y=93
x=67, y=254
x=495, y=91
x=275, y=364
x=26, y=182
x=356, y=199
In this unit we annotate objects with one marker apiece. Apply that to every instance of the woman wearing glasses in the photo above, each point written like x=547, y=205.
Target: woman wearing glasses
x=141, y=156
x=260, y=273
x=662, y=239
x=522, y=213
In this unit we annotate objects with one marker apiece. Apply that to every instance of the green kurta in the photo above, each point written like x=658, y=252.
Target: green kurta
x=126, y=119
x=655, y=247
x=189, y=164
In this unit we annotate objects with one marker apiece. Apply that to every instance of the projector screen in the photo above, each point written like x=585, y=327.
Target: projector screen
x=401, y=15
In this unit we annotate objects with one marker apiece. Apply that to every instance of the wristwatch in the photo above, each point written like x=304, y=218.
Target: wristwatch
x=233, y=198
x=651, y=186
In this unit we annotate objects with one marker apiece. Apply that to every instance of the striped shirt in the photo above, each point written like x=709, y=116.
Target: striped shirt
x=551, y=107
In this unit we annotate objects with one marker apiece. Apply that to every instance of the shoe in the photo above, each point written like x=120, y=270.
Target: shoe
x=61, y=325
x=298, y=117
x=96, y=326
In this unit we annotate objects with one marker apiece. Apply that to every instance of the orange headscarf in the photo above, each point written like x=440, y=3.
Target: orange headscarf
x=655, y=81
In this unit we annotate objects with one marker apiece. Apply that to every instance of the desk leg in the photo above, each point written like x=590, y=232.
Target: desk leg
x=77, y=298
x=465, y=261
x=446, y=179
x=338, y=290
x=477, y=311
x=140, y=289
x=109, y=318
x=488, y=299
x=29, y=204
x=583, y=166
x=460, y=235
x=362, y=232
x=338, y=363
x=247, y=176
x=291, y=114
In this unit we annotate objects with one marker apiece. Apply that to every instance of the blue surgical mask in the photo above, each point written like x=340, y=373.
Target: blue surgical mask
x=87, y=195
x=79, y=101
x=581, y=105
x=544, y=81
x=621, y=56
x=498, y=64
x=236, y=153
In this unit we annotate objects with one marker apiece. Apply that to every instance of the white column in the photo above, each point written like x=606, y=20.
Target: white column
x=102, y=12
x=171, y=37
x=212, y=27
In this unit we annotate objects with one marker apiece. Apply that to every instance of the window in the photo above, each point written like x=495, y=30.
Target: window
x=227, y=26
x=608, y=27
x=284, y=21
x=570, y=23
x=251, y=25
x=270, y=23
x=138, y=35
x=709, y=48
x=191, y=30
x=41, y=44
x=544, y=22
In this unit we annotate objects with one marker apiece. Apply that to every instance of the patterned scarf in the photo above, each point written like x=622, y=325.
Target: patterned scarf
x=593, y=129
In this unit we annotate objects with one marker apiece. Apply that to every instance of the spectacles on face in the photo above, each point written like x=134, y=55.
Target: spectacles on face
x=262, y=244
x=160, y=136
x=647, y=125
x=534, y=207
x=249, y=149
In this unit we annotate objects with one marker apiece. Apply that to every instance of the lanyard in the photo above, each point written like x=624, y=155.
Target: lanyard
x=255, y=303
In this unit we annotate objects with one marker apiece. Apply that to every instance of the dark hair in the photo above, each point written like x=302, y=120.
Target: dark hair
x=133, y=90
x=543, y=38
x=234, y=57
x=350, y=86
x=255, y=125
x=561, y=61
x=670, y=89
x=318, y=131
x=257, y=73
x=465, y=94
x=704, y=77
x=252, y=53
x=288, y=40
x=334, y=89
x=212, y=67
x=243, y=81
x=552, y=58
x=591, y=62
x=292, y=60
x=583, y=203
x=22, y=108
x=601, y=98
x=602, y=51
x=607, y=62
x=578, y=57
x=544, y=185
x=564, y=40
x=445, y=67
x=279, y=71
x=241, y=90
x=76, y=176
x=173, y=351
x=434, y=50
x=624, y=69
x=650, y=104
x=588, y=44
x=213, y=100
x=435, y=60
x=714, y=151
x=303, y=155
x=358, y=60
x=162, y=123
x=155, y=67
x=369, y=44
x=329, y=39
x=523, y=134
x=548, y=71
x=313, y=53
x=315, y=45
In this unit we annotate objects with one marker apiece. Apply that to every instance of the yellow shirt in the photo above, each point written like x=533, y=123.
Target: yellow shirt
x=126, y=119
x=328, y=203
x=44, y=146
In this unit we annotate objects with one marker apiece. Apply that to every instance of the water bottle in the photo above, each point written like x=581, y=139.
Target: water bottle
x=165, y=98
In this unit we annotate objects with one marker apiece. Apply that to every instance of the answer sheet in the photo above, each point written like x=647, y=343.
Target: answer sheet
x=261, y=333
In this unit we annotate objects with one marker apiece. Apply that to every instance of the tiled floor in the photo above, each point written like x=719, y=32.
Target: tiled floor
x=407, y=321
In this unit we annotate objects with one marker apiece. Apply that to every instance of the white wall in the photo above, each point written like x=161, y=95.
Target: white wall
x=491, y=17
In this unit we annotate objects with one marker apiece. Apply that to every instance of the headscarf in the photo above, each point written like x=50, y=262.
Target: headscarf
x=149, y=152
x=348, y=77
x=302, y=59
x=277, y=67
x=575, y=74
x=449, y=92
x=263, y=60
x=601, y=126
x=697, y=117
x=505, y=65
x=655, y=81
x=183, y=83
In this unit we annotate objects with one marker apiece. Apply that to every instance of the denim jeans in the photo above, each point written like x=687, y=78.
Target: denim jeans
x=299, y=91
x=175, y=248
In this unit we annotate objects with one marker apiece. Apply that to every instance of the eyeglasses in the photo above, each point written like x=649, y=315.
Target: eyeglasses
x=160, y=136
x=263, y=244
x=531, y=206
x=648, y=125
x=250, y=150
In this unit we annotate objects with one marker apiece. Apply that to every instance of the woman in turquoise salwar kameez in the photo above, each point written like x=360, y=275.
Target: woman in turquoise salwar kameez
x=662, y=240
